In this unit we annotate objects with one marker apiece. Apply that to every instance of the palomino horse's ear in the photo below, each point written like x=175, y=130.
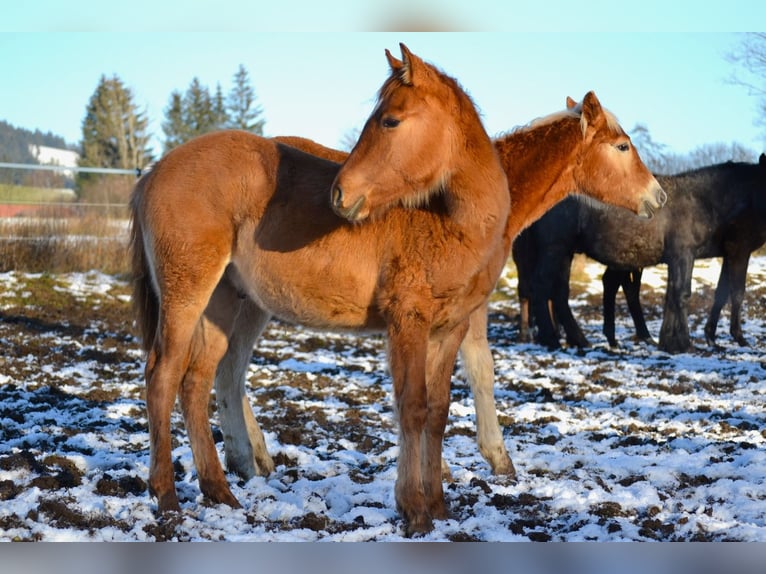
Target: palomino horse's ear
x=592, y=112
x=571, y=104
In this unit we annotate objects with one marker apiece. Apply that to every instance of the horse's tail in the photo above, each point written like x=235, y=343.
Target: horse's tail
x=146, y=305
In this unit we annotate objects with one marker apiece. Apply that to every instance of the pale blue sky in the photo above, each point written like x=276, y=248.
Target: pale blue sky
x=322, y=85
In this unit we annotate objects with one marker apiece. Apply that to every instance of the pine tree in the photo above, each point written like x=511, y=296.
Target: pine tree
x=114, y=132
x=192, y=114
x=244, y=114
x=198, y=109
x=220, y=114
x=174, y=126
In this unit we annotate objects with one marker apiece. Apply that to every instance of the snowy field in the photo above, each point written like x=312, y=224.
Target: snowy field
x=628, y=444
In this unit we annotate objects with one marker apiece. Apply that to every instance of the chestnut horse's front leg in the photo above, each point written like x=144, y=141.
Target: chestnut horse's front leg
x=479, y=368
x=407, y=350
x=440, y=366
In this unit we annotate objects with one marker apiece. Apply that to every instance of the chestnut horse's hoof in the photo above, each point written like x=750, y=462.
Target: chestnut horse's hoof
x=417, y=526
x=166, y=503
x=220, y=494
x=506, y=470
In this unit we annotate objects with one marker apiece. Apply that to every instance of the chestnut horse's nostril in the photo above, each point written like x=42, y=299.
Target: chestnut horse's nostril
x=337, y=196
x=662, y=197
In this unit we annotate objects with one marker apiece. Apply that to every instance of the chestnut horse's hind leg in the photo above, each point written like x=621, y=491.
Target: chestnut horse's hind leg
x=209, y=346
x=183, y=302
x=166, y=365
x=245, y=447
x=479, y=368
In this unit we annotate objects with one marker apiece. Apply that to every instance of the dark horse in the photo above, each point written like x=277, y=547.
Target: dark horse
x=717, y=211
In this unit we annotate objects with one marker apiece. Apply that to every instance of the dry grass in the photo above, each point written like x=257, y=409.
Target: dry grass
x=60, y=240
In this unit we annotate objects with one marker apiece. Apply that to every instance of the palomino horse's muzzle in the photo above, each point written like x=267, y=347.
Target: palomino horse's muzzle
x=350, y=213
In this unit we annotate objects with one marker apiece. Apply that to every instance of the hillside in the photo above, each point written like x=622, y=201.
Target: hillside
x=15, y=148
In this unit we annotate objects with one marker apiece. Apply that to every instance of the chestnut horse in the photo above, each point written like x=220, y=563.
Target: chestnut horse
x=582, y=150
x=231, y=216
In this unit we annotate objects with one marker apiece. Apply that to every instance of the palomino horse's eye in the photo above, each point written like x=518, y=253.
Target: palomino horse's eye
x=622, y=146
x=389, y=122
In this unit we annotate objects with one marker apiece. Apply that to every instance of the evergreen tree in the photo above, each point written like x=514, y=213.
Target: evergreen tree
x=174, y=126
x=114, y=135
x=220, y=114
x=244, y=114
x=193, y=114
x=114, y=131
x=198, y=109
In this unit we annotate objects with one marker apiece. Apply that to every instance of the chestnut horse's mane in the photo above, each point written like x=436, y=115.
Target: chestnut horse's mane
x=576, y=112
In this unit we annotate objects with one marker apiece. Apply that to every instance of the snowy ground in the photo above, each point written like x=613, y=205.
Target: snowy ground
x=610, y=445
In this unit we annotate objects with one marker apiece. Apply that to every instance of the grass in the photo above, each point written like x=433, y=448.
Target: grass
x=82, y=242
x=27, y=194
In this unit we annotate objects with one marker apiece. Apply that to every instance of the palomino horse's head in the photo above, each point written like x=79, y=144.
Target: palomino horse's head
x=609, y=167
x=409, y=145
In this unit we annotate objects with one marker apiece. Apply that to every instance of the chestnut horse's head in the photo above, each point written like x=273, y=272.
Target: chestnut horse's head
x=411, y=143
x=609, y=166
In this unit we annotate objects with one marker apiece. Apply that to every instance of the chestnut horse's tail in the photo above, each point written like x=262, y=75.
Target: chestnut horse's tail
x=146, y=304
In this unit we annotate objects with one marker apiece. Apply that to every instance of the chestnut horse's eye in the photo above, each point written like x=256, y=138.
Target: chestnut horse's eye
x=389, y=122
x=623, y=146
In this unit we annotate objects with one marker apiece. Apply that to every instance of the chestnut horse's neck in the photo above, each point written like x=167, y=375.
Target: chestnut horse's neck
x=475, y=171
x=539, y=161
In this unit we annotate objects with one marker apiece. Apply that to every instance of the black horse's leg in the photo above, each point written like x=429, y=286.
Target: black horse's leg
x=631, y=286
x=737, y=281
x=722, y=291
x=561, y=308
x=541, y=293
x=611, y=281
x=524, y=257
x=674, y=333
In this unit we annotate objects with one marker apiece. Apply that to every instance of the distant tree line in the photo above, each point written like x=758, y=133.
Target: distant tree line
x=660, y=161
x=15, y=148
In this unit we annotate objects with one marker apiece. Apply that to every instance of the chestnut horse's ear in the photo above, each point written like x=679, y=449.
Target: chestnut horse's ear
x=396, y=65
x=571, y=104
x=410, y=63
x=592, y=112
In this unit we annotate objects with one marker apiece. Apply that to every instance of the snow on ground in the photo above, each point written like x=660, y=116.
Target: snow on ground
x=626, y=444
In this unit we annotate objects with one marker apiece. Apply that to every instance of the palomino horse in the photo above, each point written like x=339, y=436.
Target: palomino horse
x=715, y=211
x=231, y=216
x=536, y=160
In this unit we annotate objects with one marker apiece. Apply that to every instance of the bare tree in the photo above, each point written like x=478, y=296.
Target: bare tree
x=750, y=58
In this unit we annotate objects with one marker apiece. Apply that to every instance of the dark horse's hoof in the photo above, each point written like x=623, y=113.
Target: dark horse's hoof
x=676, y=345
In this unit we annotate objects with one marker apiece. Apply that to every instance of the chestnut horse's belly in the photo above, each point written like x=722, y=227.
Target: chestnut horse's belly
x=315, y=290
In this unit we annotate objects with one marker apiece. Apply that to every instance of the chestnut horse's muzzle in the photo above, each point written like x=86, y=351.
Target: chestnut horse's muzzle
x=349, y=213
x=649, y=207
